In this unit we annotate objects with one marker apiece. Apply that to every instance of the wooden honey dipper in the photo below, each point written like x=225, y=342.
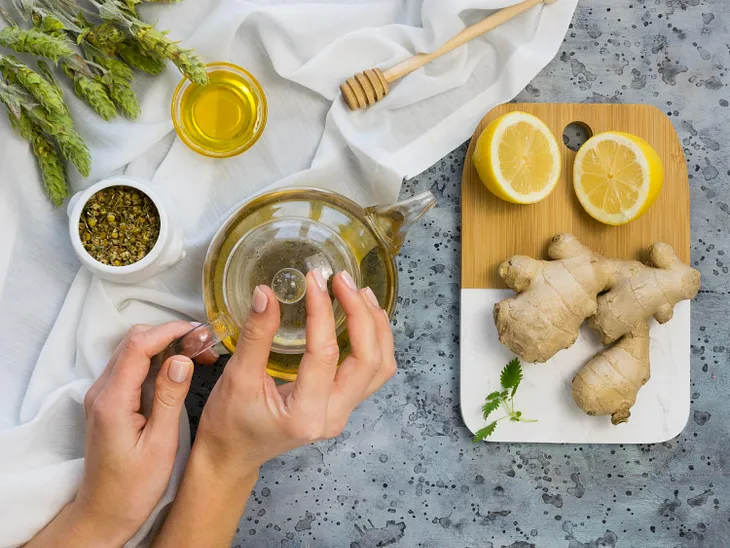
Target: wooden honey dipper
x=368, y=87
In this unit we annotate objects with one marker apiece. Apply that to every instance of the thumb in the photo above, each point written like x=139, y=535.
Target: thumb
x=171, y=387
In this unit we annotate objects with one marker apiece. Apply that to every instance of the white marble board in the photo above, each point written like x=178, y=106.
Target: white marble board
x=661, y=411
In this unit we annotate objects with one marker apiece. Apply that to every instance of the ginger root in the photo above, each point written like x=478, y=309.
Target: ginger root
x=617, y=298
x=637, y=292
x=554, y=298
x=610, y=382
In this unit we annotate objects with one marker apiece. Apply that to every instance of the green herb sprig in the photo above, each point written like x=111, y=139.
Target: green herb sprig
x=152, y=42
x=35, y=42
x=510, y=379
x=96, y=49
x=44, y=92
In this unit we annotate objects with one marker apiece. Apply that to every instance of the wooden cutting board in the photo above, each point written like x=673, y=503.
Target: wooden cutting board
x=493, y=230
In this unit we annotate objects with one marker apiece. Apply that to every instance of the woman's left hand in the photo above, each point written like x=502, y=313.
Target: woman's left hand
x=129, y=457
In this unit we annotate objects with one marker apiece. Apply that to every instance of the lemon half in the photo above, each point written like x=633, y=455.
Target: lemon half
x=617, y=177
x=518, y=158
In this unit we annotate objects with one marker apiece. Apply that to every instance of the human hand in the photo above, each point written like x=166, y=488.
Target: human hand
x=129, y=458
x=248, y=419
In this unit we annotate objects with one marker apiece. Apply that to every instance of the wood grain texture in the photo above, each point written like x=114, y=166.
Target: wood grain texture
x=494, y=230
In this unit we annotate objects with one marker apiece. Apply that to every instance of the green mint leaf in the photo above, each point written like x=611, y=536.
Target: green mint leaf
x=493, y=396
x=511, y=376
x=485, y=432
x=504, y=395
x=489, y=407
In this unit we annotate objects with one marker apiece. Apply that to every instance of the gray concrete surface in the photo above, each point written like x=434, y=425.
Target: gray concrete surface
x=405, y=472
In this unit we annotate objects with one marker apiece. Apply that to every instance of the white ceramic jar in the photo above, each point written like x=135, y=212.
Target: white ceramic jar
x=167, y=251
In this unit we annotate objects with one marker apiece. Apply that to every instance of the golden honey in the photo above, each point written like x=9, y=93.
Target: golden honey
x=223, y=118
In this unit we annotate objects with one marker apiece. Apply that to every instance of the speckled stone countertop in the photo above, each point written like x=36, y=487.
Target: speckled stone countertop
x=405, y=472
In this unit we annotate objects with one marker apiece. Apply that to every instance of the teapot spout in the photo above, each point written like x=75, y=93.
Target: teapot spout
x=392, y=222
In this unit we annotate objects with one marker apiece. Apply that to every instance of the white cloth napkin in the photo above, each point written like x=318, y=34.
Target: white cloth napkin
x=58, y=325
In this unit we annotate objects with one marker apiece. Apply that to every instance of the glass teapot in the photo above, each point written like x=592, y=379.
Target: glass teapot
x=277, y=237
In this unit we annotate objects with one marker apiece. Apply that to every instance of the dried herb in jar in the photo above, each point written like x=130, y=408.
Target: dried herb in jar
x=119, y=225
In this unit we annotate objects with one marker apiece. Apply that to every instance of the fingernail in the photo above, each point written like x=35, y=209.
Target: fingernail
x=371, y=297
x=179, y=370
x=349, y=282
x=260, y=301
x=319, y=278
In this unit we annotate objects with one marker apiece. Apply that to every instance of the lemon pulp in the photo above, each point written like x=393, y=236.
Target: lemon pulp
x=525, y=158
x=517, y=158
x=617, y=177
x=224, y=115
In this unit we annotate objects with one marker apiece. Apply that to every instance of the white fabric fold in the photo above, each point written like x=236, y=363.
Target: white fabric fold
x=59, y=325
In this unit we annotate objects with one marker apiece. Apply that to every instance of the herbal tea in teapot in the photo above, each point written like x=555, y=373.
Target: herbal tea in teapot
x=278, y=237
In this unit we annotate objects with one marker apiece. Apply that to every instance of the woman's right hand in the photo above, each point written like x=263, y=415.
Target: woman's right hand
x=248, y=419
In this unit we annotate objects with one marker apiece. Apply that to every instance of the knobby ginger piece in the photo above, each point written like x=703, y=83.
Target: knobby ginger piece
x=610, y=382
x=554, y=298
x=637, y=292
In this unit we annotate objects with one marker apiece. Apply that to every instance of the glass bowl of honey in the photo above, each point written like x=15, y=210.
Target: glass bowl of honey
x=225, y=117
